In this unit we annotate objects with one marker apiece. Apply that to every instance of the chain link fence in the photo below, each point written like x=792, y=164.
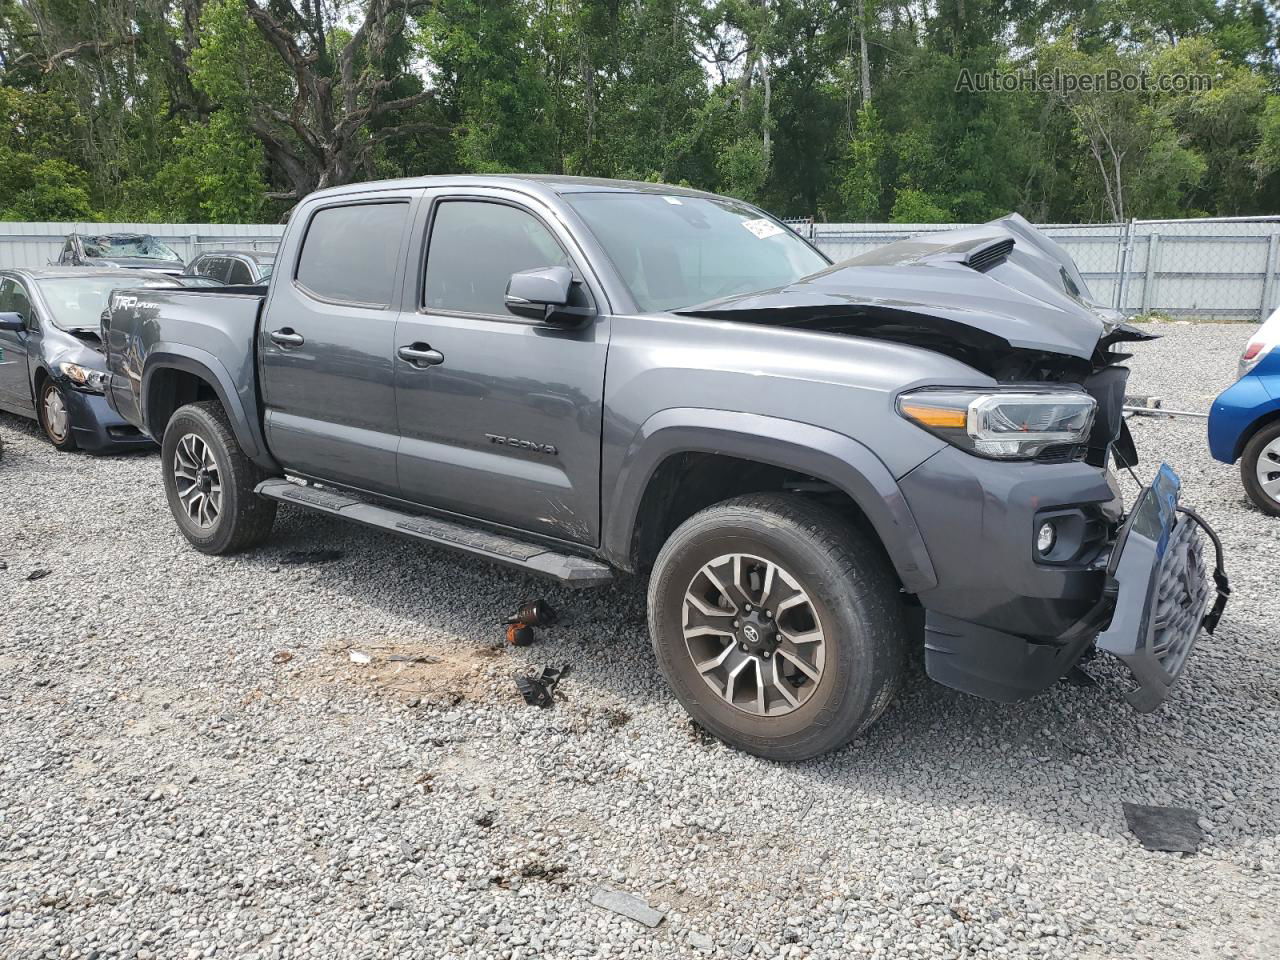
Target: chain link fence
x=1207, y=269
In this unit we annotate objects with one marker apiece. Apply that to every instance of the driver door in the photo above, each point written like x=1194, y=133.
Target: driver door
x=503, y=422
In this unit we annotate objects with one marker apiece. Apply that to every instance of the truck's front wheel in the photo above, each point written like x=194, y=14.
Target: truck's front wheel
x=209, y=482
x=777, y=624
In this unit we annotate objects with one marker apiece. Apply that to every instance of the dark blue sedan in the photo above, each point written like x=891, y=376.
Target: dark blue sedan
x=51, y=362
x=1244, y=423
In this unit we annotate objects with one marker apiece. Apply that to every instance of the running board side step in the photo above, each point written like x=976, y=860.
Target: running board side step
x=573, y=571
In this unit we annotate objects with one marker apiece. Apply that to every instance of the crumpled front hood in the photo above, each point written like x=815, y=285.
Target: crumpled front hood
x=1002, y=285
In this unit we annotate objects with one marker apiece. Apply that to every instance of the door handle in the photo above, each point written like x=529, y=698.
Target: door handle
x=420, y=355
x=285, y=337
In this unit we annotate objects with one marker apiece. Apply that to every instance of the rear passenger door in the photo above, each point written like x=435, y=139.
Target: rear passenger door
x=503, y=423
x=326, y=340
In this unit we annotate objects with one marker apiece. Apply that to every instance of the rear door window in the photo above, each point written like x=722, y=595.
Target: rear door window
x=239, y=273
x=475, y=248
x=215, y=267
x=350, y=253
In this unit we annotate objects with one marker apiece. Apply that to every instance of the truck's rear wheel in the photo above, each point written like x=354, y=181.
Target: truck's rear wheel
x=777, y=624
x=209, y=482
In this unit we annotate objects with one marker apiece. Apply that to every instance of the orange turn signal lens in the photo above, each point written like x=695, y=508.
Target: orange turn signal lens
x=936, y=416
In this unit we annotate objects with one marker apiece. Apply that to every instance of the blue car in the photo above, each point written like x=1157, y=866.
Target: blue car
x=1244, y=423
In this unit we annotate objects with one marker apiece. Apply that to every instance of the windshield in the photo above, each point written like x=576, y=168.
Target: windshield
x=138, y=245
x=77, y=302
x=674, y=251
x=264, y=269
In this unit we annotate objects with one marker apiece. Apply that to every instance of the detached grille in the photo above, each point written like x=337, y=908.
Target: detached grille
x=1181, y=596
x=989, y=256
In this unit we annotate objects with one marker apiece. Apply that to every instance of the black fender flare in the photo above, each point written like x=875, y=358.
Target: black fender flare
x=829, y=456
x=201, y=363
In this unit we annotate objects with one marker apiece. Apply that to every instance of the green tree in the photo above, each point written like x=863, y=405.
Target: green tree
x=862, y=184
x=38, y=178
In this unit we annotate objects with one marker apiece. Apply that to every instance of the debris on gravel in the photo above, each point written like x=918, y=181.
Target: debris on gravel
x=1169, y=829
x=167, y=790
x=627, y=905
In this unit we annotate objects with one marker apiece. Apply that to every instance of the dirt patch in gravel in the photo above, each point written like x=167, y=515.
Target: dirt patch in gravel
x=416, y=674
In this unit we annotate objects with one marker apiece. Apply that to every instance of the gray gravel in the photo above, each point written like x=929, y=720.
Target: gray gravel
x=191, y=765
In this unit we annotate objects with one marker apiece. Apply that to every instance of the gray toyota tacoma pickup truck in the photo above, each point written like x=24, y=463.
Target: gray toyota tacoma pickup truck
x=820, y=467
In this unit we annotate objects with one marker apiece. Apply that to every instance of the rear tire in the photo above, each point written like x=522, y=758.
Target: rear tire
x=55, y=416
x=1261, y=458
x=805, y=573
x=209, y=482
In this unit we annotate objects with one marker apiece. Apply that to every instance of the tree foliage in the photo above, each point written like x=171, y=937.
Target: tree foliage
x=230, y=110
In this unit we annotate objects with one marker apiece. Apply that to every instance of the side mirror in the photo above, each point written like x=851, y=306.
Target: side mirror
x=545, y=294
x=13, y=322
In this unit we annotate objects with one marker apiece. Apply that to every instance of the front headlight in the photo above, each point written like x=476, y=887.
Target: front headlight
x=1009, y=425
x=94, y=381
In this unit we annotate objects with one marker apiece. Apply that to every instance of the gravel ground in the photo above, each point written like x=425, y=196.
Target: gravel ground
x=192, y=766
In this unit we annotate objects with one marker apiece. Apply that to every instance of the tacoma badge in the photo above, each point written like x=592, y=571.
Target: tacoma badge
x=546, y=448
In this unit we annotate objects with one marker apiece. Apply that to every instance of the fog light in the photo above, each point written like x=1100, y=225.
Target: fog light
x=1045, y=538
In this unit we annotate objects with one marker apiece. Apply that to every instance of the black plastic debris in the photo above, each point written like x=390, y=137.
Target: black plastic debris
x=311, y=556
x=38, y=574
x=1077, y=676
x=534, y=613
x=1168, y=829
x=538, y=688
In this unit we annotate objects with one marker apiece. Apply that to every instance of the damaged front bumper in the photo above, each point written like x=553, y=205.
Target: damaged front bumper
x=1004, y=626
x=1158, y=583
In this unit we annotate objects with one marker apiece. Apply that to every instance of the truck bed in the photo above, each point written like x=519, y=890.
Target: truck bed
x=216, y=328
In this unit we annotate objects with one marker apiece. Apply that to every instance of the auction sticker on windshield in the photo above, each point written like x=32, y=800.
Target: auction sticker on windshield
x=762, y=228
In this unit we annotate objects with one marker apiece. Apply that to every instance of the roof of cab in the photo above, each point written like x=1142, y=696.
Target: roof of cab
x=537, y=183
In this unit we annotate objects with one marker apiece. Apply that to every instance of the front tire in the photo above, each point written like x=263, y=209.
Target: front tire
x=1260, y=469
x=777, y=624
x=55, y=416
x=209, y=482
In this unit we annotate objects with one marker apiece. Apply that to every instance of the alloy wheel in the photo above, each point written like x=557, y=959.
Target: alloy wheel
x=197, y=480
x=754, y=634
